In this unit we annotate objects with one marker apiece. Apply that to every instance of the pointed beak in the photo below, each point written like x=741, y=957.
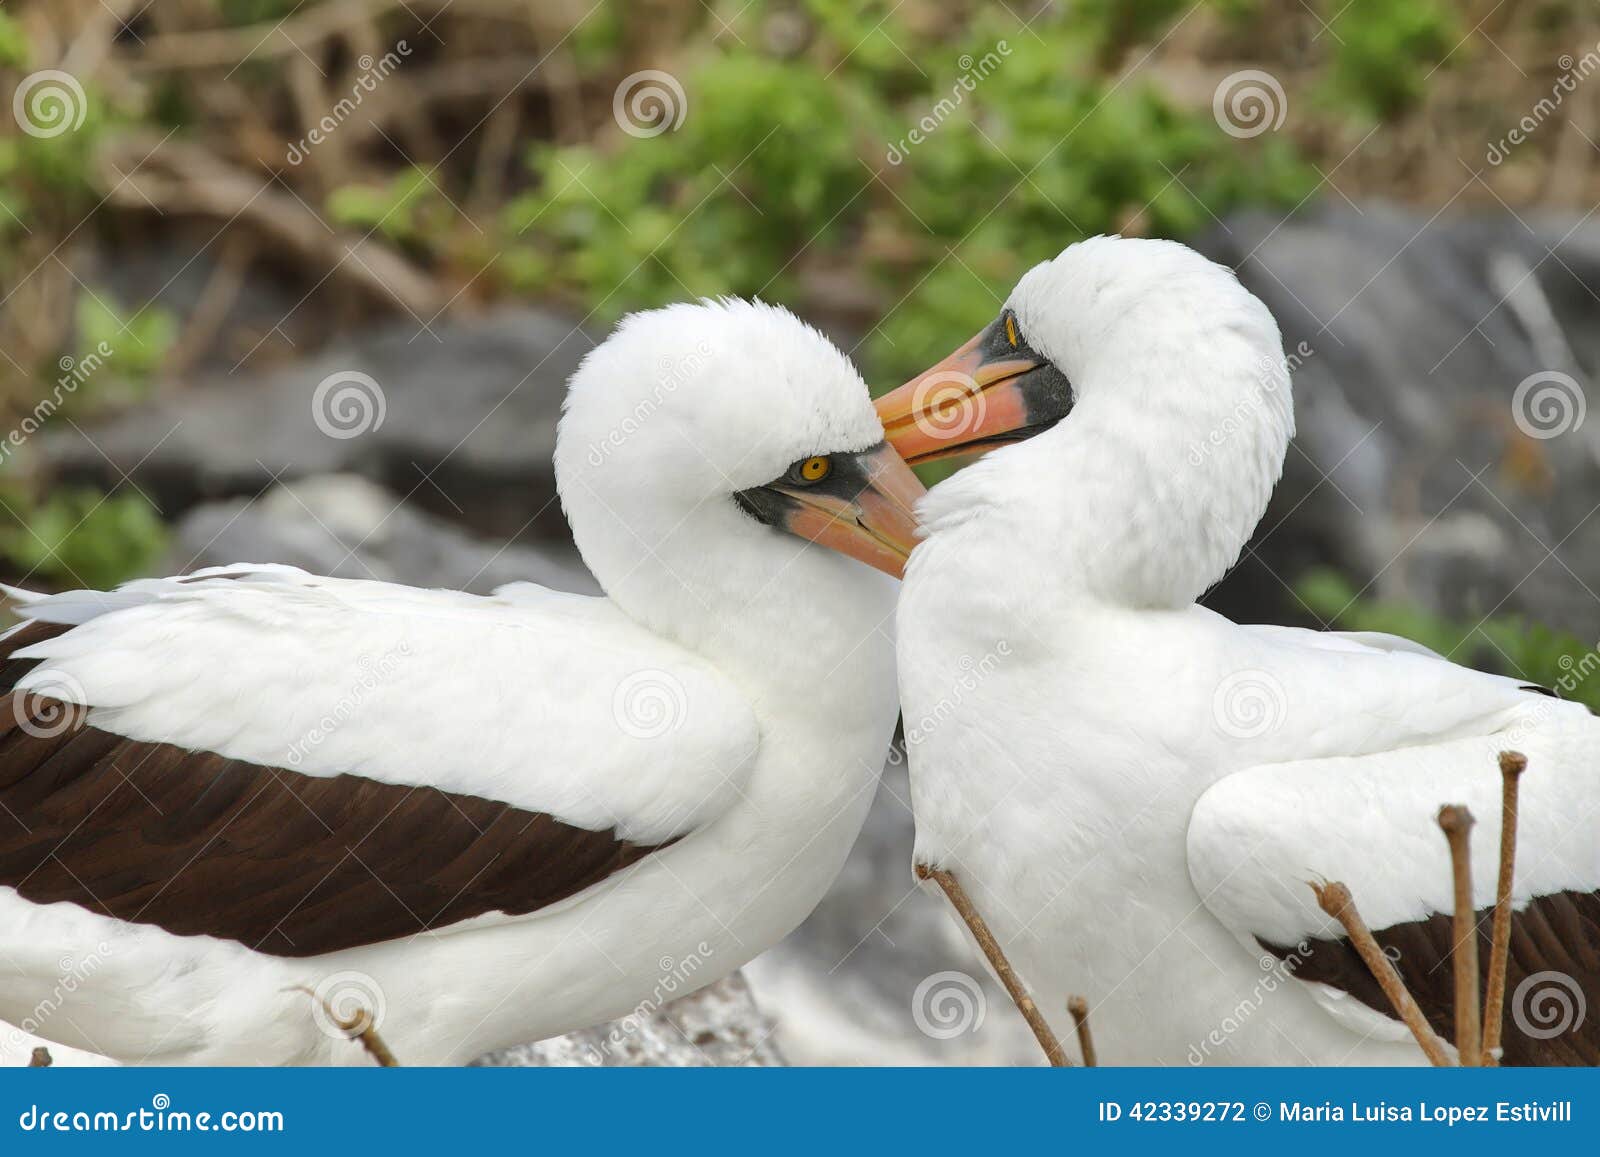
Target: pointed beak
x=983, y=395
x=866, y=508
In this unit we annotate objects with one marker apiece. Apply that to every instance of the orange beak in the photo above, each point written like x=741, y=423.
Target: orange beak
x=985, y=394
x=866, y=509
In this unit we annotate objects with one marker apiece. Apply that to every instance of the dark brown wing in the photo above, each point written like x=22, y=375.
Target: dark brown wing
x=1552, y=1006
x=282, y=862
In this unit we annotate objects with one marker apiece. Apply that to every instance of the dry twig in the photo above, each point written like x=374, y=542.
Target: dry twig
x=1512, y=765
x=1336, y=901
x=997, y=960
x=1079, y=1008
x=1456, y=822
x=361, y=1027
x=41, y=1058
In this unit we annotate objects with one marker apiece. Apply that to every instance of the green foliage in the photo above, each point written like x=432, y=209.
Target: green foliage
x=1506, y=644
x=138, y=342
x=1385, y=50
x=76, y=537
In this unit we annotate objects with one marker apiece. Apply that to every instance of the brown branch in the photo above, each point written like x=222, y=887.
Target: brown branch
x=1456, y=823
x=1512, y=765
x=997, y=960
x=1079, y=1008
x=1336, y=901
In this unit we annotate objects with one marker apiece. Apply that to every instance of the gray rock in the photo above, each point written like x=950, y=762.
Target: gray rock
x=719, y=1026
x=1417, y=462
x=349, y=527
x=460, y=419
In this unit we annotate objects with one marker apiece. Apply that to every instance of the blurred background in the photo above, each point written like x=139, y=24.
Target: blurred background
x=302, y=281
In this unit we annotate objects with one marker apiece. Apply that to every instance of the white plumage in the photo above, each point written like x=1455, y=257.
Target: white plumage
x=1136, y=791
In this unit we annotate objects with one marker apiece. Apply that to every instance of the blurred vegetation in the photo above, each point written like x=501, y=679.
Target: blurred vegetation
x=1508, y=644
x=492, y=163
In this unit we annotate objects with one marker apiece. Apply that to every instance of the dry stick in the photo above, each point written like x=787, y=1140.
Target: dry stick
x=361, y=1027
x=1079, y=1008
x=1336, y=901
x=1512, y=765
x=997, y=960
x=1456, y=822
x=41, y=1058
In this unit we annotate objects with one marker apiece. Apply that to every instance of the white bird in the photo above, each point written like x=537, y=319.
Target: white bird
x=1133, y=790
x=479, y=820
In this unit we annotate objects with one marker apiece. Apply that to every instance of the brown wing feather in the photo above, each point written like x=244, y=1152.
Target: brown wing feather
x=285, y=863
x=1552, y=976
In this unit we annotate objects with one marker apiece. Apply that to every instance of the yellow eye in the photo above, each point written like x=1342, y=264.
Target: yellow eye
x=1011, y=330
x=815, y=469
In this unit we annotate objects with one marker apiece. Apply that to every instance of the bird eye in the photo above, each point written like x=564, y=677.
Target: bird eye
x=1011, y=329
x=814, y=469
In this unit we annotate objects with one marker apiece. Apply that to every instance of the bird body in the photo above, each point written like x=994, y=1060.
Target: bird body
x=245, y=805
x=1137, y=792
